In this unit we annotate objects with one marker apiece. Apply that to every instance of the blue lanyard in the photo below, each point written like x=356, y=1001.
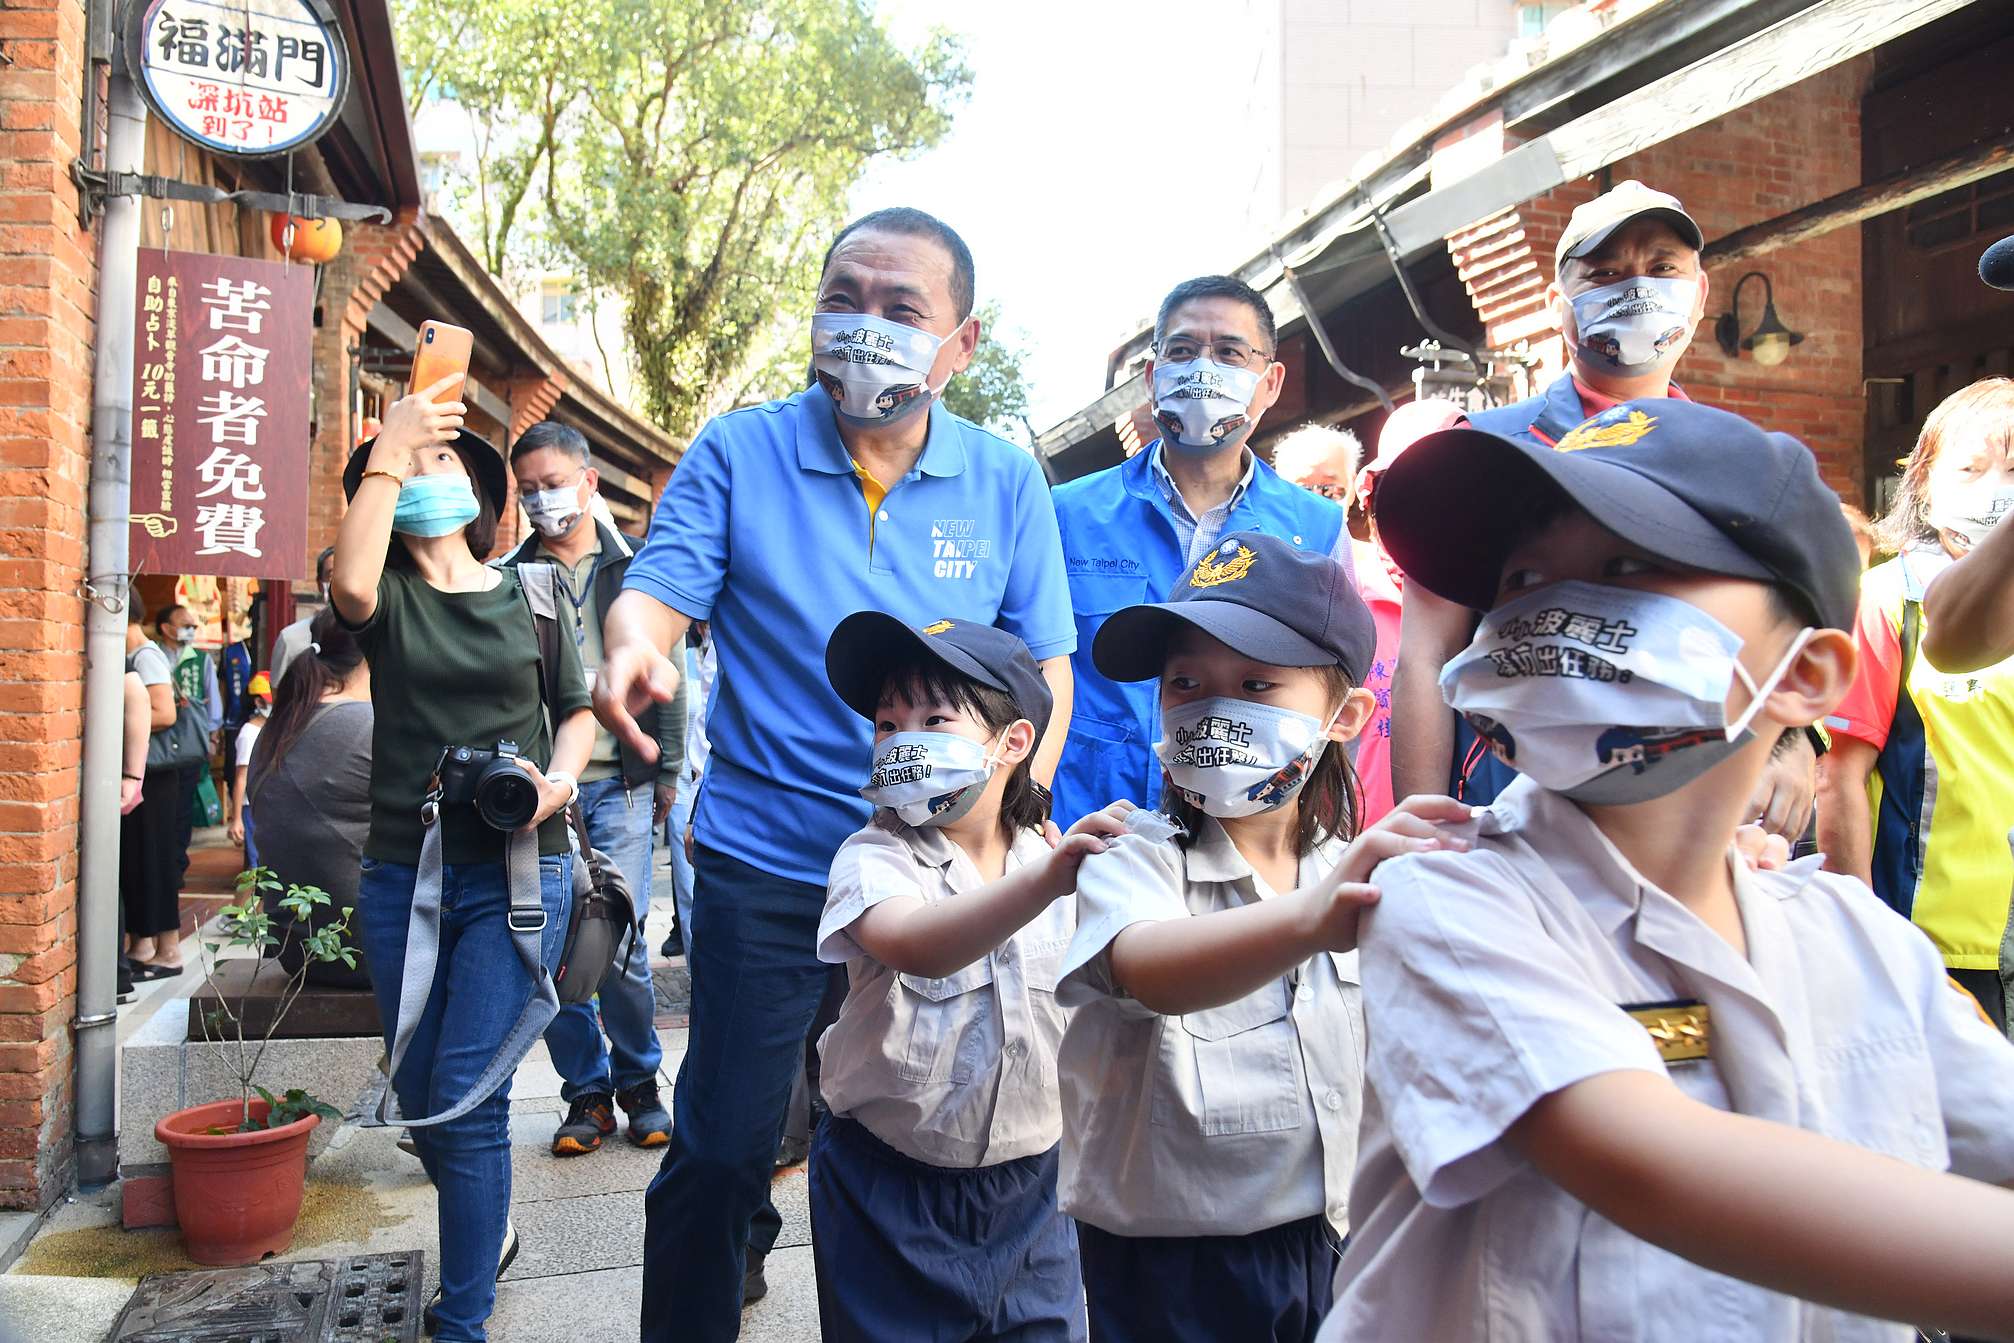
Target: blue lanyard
x=579, y=621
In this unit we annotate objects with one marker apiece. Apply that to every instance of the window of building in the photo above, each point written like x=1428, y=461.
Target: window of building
x=557, y=302
x=1958, y=216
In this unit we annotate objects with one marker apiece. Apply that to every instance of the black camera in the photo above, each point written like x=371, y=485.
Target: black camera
x=490, y=781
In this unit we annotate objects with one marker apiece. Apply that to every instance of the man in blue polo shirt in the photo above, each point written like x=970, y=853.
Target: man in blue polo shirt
x=1131, y=532
x=860, y=493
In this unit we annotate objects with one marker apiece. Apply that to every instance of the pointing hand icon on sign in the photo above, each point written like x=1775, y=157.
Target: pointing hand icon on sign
x=157, y=525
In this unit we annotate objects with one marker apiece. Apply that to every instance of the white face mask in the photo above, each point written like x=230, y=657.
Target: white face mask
x=1608, y=695
x=554, y=512
x=1968, y=514
x=1232, y=757
x=186, y=635
x=1636, y=325
x=1201, y=403
x=876, y=371
x=929, y=778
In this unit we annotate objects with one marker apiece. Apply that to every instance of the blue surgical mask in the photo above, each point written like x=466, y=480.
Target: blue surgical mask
x=434, y=505
x=1636, y=325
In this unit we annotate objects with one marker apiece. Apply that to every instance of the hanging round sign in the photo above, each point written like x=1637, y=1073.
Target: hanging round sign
x=243, y=77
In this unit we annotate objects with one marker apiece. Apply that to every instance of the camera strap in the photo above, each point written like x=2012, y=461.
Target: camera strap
x=527, y=920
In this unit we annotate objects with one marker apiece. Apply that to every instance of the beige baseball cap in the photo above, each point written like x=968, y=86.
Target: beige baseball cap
x=1626, y=200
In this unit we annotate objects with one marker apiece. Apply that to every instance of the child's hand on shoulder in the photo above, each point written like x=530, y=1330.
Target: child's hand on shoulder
x=1093, y=834
x=1417, y=825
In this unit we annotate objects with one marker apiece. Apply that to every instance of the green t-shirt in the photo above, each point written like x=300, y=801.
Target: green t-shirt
x=454, y=669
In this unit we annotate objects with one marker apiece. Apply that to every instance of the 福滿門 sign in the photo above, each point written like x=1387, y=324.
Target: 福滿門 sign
x=247, y=77
x=220, y=416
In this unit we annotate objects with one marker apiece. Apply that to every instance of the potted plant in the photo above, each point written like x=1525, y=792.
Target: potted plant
x=240, y=1166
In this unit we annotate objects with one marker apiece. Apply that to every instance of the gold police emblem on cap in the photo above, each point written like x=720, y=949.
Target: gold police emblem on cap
x=1604, y=432
x=937, y=628
x=1229, y=563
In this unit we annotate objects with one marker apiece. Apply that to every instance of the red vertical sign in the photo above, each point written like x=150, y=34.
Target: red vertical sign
x=220, y=416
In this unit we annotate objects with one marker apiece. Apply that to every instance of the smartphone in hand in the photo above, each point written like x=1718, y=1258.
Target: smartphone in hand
x=443, y=350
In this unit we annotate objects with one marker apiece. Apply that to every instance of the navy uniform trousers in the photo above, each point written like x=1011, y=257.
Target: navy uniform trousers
x=924, y=1254
x=1272, y=1286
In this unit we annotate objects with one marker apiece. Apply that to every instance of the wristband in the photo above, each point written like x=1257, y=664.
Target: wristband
x=392, y=476
x=136, y=778
x=573, y=784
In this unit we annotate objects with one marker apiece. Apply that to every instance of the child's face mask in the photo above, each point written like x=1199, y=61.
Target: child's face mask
x=1608, y=695
x=1235, y=757
x=931, y=778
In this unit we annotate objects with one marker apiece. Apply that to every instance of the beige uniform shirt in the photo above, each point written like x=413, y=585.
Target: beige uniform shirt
x=1217, y=1123
x=1496, y=977
x=960, y=1071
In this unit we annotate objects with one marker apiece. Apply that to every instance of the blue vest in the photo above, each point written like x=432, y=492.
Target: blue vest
x=1120, y=548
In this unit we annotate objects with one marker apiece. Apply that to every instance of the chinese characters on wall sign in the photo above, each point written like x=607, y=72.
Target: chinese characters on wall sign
x=220, y=416
x=251, y=77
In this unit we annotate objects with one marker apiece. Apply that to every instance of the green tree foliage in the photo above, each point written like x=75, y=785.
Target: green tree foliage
x=990, y=391
x=692, y=156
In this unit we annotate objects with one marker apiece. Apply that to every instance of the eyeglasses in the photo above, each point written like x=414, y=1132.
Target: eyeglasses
x=1230, y=353
x=1331, y=490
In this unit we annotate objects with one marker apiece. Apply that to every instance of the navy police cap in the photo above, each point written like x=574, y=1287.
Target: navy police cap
x=1260, y=596
x=1697, y=487
x=868, y=645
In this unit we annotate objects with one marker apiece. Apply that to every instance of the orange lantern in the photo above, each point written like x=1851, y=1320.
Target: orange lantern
x=315, y=240
x=368, y=428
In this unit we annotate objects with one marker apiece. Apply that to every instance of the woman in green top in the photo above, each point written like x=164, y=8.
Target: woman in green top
x=454, y=662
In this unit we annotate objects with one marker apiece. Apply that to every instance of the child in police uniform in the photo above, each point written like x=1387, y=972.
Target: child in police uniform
x=1212, y=1069
x=933, y=1179
x=1620, y=1085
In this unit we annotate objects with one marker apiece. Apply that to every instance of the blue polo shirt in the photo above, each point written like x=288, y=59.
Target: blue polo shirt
x=1122, y=545
x=764, y=531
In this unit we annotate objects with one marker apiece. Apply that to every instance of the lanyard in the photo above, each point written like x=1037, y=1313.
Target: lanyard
x=578, y=601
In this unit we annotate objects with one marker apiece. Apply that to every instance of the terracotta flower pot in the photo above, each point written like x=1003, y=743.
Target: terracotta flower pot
x=237, y=1195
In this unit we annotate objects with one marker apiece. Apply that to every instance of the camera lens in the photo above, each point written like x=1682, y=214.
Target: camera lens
x=506, y=797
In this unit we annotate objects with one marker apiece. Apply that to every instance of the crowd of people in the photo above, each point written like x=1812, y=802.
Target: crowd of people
x=1526, y=884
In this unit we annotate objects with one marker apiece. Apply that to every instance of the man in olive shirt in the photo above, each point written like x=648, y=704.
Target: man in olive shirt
x=623, y=799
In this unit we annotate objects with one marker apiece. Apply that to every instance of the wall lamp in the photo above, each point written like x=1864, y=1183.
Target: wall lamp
x=1771, y=340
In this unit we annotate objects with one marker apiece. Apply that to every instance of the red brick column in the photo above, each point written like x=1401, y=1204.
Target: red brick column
x=48, y=273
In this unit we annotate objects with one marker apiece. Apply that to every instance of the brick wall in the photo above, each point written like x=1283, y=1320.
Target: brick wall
x=47, y=275
x=1755, y=163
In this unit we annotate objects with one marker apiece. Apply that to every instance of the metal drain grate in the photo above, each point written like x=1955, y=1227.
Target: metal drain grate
x=371, y=1298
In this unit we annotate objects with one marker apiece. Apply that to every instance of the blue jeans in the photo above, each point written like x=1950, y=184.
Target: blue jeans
x=756, y=982
x=681, y=869
x=618, y=823
x=480, y=987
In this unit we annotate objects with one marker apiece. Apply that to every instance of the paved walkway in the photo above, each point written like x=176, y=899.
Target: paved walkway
x=581, y=1220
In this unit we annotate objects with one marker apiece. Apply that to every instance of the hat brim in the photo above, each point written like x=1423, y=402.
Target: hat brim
x=1132, y=644
x=492, y=477
x=1444, y=512
x=1682, y=223
x=867, y=645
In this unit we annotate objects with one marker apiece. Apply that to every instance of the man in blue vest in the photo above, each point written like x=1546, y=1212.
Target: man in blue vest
x=1131, y=531
x=1628, y=292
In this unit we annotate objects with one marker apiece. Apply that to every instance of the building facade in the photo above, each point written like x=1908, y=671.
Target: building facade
x=386, y=279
